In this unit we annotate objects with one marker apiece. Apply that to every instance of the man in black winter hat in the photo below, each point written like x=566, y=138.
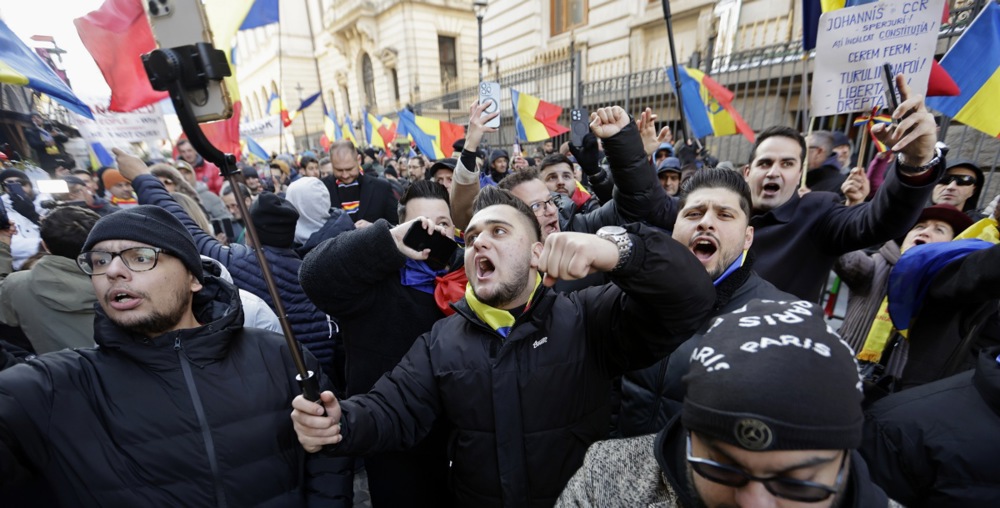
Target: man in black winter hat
x=772, y=415
x=178, y=404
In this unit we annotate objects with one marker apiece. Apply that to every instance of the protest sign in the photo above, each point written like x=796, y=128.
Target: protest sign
x=263, y=128
x=119, y=129
x=854, y=42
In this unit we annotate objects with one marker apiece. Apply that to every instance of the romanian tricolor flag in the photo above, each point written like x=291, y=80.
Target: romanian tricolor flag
x=868, y=121
x=21, y=66
x=99, y=156
x=331, y=128
x=534, y=119
x=347, y=130
x=974, y=63
x=379, y=131
x=708, y=105
x=433, y=137
x=116, y=35
x=276, y=106
x=256, y=150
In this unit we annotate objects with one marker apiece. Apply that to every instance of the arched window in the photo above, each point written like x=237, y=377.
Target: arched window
x=368, y=75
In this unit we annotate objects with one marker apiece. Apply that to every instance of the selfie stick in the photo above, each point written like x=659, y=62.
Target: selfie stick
x=189, y=68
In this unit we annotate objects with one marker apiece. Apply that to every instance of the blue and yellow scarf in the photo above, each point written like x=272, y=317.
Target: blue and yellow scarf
x=498, y=319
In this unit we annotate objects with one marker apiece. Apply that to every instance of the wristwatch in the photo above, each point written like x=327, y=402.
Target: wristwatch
x=907, y=169
x=620, y=237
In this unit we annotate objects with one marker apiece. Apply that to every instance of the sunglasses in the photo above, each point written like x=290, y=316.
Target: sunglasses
x=960, y=180
x=785, y=488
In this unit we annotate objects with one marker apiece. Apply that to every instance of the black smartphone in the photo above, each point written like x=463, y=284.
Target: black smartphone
x=442, y=247
x=15, y=189
x=224, y=226
x=579, y=126
x=889, y=85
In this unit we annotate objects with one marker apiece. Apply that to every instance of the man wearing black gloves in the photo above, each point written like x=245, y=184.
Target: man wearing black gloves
x=179, y=404
x=523, y=372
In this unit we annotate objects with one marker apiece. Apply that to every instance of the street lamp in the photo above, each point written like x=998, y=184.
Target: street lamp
x=479, y=6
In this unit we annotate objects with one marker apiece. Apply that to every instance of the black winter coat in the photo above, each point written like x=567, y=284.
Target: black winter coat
x=652, y=396
x=377, y=200
x=936, y=445
x=311, y=327
x=195, y=417
x=525, y=408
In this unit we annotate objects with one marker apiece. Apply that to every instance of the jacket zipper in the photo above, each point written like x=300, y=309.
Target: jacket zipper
x=220, y=493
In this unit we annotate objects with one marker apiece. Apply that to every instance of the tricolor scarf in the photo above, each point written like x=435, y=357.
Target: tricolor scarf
x=419, y=276
x=735, y=265
x=499, y=320
x=580, y=195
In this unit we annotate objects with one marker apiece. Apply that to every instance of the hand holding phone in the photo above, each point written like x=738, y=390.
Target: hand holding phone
x=441, y=247
x=489, y=93
x=579, y=126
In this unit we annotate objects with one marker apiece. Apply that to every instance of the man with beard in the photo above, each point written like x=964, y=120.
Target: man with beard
x=772, y=417
x=714, y=225
x=522, y=372
x=556, y=171
x=178, y=404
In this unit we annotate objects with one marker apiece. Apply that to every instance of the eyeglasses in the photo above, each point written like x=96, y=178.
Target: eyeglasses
x=540, y=206
x=137, y=259
x=960, y=180
x=786, y=488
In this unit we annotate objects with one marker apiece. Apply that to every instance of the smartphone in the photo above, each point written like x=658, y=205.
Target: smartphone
x=442, y=247
x=224, y=225
x=515, y=151
x=181, y=23
x=489, y=91
x=889, y=85
x=15, y=189
x=579, y=126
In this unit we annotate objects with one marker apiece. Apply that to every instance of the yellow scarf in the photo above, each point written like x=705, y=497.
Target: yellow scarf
x=497, y=319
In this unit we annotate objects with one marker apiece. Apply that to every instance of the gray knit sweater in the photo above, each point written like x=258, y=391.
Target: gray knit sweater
x=619, y=472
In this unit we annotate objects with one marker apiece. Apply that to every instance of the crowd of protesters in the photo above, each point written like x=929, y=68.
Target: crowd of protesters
x=627, y=322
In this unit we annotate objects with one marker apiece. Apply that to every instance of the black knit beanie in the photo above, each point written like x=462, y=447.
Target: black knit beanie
x=13, y=173
x=275, y=220
x=153, y=226
x=774, y=376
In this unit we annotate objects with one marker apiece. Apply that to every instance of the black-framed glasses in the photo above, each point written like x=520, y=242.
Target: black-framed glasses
x=540, y=206
x=960, y=180
x=786, y=488
x=137, y=259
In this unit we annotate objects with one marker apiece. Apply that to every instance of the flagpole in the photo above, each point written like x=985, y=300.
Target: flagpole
x=281, y=89
x=673, y=63
x=305, y=124
x=319, y=77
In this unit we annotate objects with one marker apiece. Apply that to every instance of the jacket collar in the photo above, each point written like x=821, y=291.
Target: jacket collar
x=217, y=306
x=782, y=214
x=541, y=305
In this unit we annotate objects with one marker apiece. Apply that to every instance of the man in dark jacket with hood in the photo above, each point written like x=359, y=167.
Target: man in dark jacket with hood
x=276, y=232
x=179, y=404
x=772, y=417
x=713, y=223
x=522, y=372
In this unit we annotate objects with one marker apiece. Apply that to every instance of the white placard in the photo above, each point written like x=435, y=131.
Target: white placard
x=853, y=43
x=117, y=129
x=265, y=127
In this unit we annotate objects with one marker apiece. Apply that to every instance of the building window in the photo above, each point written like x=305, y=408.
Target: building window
x=567, y=14
x=448, y=58
x=395, y=84
x=368, y=75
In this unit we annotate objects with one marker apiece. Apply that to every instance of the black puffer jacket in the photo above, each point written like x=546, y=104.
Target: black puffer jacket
x=652, y=396
x=526, y=407
x=311, y=327
x=936, y=445
x=195, y=417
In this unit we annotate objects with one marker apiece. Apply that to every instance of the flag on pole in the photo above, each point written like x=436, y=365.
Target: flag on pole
x=379, y=131
x=974, y=63
x=276, y=106
x=21, y=66
x=347, y=130
x=534, y=119
x=256, y=150
x=869, y=121
x=331, y=128
x=116, y=35
x=99, y=156
x=708, y=105
x=433, y=138
x=305, y=103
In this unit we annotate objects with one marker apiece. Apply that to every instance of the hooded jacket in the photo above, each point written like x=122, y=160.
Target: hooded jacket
x=311, y=327
x=526, y=407
x=651, y=471
x=312, y=200
x=53, y=303
x=194, y=417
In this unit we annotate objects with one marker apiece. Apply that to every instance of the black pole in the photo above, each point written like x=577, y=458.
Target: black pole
x=479, y=18
x=676, y=70
x=175, y=70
